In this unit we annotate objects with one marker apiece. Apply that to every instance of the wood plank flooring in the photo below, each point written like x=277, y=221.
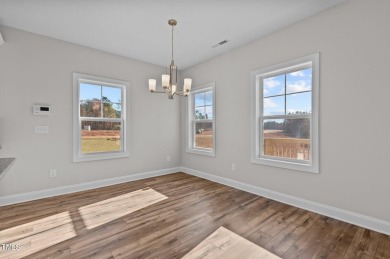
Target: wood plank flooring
x=168, y=217
x=224, y=244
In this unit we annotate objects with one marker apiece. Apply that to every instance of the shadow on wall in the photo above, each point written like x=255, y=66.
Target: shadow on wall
x=1, y=39
x=1, y=134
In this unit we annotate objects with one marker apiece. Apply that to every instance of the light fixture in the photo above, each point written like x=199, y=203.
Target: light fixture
x=169, y=82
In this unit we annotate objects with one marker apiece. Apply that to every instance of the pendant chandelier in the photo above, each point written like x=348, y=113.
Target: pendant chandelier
x=169, y=82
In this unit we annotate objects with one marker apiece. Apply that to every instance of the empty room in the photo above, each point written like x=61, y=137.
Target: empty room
x=194, y=129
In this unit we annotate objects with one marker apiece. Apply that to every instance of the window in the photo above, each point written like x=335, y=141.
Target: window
x=99, y=119
x=285, y=114
x=201, y=120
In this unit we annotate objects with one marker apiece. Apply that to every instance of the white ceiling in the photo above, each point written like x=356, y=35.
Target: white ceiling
x=139, y=29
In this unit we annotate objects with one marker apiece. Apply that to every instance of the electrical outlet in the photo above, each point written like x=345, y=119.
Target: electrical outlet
x=168, y=158
x=53, y=173
x=234, y=167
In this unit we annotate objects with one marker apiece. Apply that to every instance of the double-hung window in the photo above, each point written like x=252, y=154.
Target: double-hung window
x=201, y=120
x=100, y=118
x=285, y=114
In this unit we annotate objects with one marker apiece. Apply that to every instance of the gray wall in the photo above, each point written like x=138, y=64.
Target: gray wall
x=37, y=69
x=353, y=40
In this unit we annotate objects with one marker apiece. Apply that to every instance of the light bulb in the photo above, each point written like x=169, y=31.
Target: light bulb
x=165, y=81
x=152, y=85
x=187, y=84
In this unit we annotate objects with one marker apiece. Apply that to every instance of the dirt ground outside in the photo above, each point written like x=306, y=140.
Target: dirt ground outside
x=204, y=140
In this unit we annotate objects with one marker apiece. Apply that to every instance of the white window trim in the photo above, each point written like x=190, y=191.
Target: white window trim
x=256, y=113
x=125, y=86
x=190, y=107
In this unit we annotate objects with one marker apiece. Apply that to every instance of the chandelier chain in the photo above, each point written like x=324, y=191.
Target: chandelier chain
x=172, y=42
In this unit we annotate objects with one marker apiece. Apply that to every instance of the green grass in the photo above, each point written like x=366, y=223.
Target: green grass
x=92, y=145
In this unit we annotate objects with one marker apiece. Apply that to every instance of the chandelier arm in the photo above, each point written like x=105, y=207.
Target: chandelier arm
x=181, y=94
x=162, y=92
x=167, y=91
x=158, y=92
x=182, y=91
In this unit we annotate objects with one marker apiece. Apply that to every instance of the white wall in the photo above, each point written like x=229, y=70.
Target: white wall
x=353, y=40
x=37, y=69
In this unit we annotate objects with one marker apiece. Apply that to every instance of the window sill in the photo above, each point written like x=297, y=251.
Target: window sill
x=96, y=157
x=310, y=168
x=201, y=152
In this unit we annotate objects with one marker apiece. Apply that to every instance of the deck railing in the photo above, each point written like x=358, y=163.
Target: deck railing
x=287, y=147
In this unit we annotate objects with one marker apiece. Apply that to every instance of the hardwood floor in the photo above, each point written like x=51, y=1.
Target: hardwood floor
x=169, y=216
x=225, y=244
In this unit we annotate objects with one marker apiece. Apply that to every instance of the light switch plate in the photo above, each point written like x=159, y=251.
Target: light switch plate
x=41, y=129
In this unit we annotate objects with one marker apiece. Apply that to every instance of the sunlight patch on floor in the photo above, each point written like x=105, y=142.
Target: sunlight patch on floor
x=29, y=238
x=226, y=244
x=102, y=212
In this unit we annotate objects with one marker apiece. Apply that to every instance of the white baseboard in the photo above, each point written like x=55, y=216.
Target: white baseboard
x=340, y=214
x=29, y=196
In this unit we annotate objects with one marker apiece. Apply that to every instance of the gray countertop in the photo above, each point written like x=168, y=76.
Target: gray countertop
x=5, y=164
